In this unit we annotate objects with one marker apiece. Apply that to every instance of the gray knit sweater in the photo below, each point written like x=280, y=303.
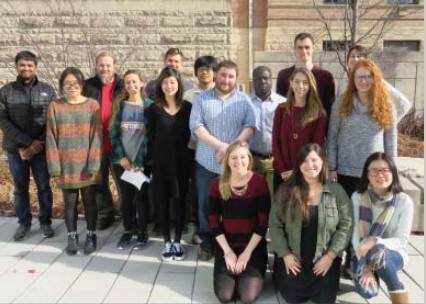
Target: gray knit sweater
x=350, y=141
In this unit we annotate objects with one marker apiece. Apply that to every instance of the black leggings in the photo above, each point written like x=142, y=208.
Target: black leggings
x=134, y=203
x=247, y=286
x=90, y=208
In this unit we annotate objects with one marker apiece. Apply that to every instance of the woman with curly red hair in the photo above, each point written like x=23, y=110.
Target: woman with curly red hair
x=362, y=122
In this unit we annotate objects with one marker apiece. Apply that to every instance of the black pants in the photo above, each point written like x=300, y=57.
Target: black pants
x=104, y=200
x=350, y=184
x=162, y=198
x=306, y=286
x=134, y=203
x=90, y=208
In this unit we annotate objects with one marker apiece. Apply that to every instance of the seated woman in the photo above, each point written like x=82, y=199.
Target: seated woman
x=310, y=225
x=239, y=204
x=382, y=222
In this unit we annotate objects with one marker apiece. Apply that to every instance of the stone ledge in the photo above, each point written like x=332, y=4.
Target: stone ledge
x=412, y=180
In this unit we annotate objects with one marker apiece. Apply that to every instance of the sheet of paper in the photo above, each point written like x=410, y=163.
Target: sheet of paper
x=136, y=178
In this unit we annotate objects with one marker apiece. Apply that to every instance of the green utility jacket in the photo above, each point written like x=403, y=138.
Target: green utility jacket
x=334, y=223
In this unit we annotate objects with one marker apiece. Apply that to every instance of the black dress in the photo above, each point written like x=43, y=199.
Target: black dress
x=306, y=285
x=168, y=147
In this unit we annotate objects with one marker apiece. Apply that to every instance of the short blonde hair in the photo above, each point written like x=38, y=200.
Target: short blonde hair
x=105, y=54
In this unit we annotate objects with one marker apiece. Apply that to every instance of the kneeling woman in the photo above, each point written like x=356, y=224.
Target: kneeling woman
x=382, y=224
x=238, y=215
x=310, y=225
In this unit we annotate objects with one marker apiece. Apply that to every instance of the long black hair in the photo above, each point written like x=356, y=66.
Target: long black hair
x=160, y=98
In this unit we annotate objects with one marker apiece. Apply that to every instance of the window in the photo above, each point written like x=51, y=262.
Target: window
x=337, y=45
x=402, y=1
x=401, y=45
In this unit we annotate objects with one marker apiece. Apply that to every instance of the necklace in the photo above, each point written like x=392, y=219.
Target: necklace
x=295, y=134
x=240, y=191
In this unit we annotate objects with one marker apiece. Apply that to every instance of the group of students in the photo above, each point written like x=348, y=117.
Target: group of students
x=311, y=220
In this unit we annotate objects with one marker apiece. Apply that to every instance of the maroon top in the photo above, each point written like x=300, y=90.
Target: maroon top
x=240, y=216
x=325, y=85
x=284, y=146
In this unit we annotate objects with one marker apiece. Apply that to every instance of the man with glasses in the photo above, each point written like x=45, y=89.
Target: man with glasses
x=23, y=108
x=205, y=70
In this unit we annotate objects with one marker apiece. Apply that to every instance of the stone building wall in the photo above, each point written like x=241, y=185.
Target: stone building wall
x=68, y=33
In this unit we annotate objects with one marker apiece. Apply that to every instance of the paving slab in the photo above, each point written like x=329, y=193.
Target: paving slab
x=89, y=287
x=172, y=288
x=37, y=270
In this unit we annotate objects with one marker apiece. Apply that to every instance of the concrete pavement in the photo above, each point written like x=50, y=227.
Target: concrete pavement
x=38, y=270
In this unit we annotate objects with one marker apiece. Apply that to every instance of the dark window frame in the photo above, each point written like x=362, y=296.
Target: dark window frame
x=402, y=45
x=329, y=45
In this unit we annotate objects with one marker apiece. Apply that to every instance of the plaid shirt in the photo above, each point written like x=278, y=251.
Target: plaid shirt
x=223, y=119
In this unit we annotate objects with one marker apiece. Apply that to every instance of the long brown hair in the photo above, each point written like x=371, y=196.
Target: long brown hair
x=313, y=106
x=380, y=106
x=224, y=178
x=297, y=189
x=124, y=95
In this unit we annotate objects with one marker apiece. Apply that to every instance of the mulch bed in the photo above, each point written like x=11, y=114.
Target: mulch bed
x=407, y=146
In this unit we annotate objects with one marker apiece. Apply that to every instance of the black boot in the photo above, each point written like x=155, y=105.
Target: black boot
x=72, y=247
x=91, y=241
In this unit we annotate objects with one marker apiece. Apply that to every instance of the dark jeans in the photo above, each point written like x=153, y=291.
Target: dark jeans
x=90, y=209
x=134, y=204
x=20, y=171
x=388, y=273
x=103, y=195
x=203, y=179
x=193, y=189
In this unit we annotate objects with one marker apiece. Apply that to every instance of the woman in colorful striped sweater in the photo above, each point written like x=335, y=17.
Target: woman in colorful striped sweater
x=73, y=150
x=238, y=216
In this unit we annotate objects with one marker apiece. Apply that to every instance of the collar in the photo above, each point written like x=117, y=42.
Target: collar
x=20, y=82
x=256, y=98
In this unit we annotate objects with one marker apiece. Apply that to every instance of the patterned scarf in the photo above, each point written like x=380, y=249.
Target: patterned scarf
x=375, y=229
x=366, y=225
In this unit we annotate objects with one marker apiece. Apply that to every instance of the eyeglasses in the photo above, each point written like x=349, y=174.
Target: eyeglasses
x=376, y=172
x=69, y=85
x=366, y=78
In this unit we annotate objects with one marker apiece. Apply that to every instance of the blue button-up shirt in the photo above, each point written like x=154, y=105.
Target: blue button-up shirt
x=261, y=142
x=223, y=119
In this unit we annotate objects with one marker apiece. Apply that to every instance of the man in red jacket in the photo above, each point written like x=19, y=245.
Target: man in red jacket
x=104, y=87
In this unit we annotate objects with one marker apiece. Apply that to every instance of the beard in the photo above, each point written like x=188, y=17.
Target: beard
x=105, y=78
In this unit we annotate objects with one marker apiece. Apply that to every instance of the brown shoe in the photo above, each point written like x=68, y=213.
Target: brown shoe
x=204, y=254
x=196, y=240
